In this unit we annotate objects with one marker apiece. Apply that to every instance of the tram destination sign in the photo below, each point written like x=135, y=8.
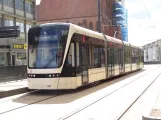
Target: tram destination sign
x=9, y=31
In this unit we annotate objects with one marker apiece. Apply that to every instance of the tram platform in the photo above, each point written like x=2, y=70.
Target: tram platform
x=13, y=88
x=154, y=113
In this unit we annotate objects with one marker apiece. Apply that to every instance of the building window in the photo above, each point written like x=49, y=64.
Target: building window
x=0, y=21
x=19, y=4
x=114, y=22
x=28, y=27
x=97, y=26
x=79, y=24
x=21, y=25
x=84, y=23
x=2, y=59
x=28, y=7
x=91, y=26
x=8, y=2
x=8, y=22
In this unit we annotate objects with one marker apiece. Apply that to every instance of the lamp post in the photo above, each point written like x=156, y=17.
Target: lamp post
x=99, y=19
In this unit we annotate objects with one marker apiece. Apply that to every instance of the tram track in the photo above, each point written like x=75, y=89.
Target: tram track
x=130, y=106
x=107, y=95
x=37, y=101
x=58, y=93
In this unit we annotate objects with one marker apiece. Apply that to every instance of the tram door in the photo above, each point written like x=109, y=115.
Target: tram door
x=84, y=61
x=110, y=62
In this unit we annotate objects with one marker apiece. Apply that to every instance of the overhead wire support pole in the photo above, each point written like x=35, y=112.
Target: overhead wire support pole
x=99, y=17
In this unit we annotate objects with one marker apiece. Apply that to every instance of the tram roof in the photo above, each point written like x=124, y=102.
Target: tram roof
x=91, y=33
x=95, y=34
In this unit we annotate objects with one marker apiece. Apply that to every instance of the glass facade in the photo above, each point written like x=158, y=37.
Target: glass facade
x=120, y=19
x=8, y=22
x=28, y=7
x=19, y=4
x=2, y=59
x=8, y=53
x=21, y=25
x=28, y=26
x=8, y=2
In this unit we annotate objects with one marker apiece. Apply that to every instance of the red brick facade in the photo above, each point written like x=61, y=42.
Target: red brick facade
x=79, y=12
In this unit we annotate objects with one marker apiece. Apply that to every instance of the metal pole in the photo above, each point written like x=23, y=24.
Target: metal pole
x=99, y=21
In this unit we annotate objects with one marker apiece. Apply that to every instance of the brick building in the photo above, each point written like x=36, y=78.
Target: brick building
x=80, y=12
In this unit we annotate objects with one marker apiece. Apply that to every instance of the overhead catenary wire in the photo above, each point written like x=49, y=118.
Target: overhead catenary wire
x=148, y=13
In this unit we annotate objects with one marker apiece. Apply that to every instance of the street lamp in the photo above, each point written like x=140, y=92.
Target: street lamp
x=99, y=19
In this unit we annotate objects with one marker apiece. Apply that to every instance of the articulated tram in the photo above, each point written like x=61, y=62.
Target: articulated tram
x=67, y=56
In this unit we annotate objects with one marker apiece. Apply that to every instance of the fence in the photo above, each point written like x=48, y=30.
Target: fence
x=10, y=73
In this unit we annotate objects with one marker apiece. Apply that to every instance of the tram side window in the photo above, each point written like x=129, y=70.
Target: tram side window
x=98, y=57
x=142, y=56
x=84, y=56
x=70, y=59
x=130, y=54
x=127, y=55
x=116, y=56
x=90, y=56
x=77, y=54
x=137, y=56
x=120, y=56
x=102, y=57
x=134, y=55
x=110, y=57
x=141, y=53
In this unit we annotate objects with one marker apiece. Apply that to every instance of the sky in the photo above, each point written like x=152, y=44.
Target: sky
x=141, y=28
x=38, y=2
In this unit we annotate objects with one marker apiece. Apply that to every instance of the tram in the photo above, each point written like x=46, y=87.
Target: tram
x=67, y=56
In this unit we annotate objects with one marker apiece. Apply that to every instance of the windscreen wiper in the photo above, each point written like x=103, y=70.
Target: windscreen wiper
x=50, y=61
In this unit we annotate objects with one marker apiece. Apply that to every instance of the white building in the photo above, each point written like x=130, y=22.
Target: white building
x=152, y=52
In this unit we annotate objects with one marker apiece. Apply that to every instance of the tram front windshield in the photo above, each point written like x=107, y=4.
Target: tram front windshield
x=46, y=46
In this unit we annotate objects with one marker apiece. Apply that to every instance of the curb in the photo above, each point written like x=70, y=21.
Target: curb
x=13, y=92
x=146, y=115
